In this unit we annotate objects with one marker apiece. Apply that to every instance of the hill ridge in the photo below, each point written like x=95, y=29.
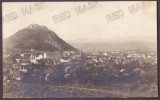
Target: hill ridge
x=36, y=37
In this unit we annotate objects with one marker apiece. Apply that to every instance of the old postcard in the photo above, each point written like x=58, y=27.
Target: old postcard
x=79, y=49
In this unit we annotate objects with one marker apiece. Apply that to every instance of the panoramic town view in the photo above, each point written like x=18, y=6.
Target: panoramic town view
x=41, y=63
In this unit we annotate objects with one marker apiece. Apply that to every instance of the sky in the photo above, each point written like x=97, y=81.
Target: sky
x=91, y=25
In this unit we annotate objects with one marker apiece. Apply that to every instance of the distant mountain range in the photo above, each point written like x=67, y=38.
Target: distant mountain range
x=116, y=46
x=36, y=37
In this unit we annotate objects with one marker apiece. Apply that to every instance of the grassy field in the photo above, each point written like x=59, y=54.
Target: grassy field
x=27, y=90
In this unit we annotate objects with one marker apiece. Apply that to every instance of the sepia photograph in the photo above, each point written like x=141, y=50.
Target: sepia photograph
x=82, y=49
